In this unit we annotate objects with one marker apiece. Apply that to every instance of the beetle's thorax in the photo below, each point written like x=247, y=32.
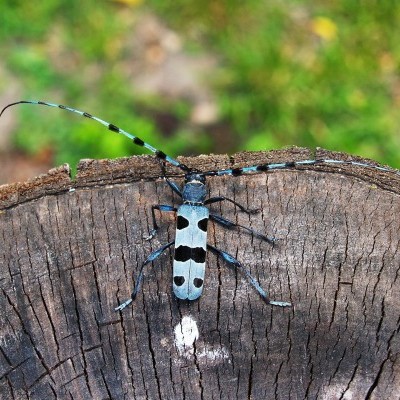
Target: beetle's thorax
x=194, y=191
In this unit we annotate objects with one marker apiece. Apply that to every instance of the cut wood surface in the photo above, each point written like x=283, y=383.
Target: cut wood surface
x=69, y=248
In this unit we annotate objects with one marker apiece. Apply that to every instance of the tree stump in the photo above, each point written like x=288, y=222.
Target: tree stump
x=69, y=248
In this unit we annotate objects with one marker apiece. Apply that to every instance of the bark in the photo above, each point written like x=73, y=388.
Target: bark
x=69, y=248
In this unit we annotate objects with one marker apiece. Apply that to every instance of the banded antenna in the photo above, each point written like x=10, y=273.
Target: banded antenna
x=136, y=140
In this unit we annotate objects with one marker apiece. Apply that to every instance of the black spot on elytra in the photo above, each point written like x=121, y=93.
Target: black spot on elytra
x=181, y=222
x=179, y=280
x=199, y=255
x=202, y=224
x=197, y=282
x=185, y=253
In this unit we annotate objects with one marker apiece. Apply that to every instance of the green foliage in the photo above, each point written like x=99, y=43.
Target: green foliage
x=299, y=73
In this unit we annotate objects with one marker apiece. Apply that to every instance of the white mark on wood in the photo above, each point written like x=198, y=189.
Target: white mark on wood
x=10, y=339
x=186, y=333
x=339, y=390
x=214, y=354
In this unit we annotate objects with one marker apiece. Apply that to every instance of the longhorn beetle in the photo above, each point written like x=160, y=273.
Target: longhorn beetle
x=193, y=215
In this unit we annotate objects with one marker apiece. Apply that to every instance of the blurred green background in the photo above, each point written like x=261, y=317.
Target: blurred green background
x=195, y=77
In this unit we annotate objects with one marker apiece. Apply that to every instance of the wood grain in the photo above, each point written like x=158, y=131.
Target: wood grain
x=69, y=248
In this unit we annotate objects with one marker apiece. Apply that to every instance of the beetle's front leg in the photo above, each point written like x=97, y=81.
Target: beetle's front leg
x=160, y=207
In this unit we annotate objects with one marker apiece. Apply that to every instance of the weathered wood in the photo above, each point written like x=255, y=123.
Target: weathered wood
x=68, y=255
